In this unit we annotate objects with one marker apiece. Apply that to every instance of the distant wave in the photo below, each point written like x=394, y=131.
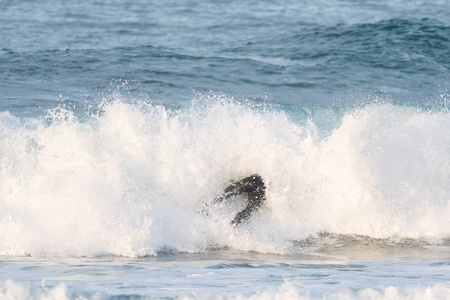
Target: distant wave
x=131, y=178
x=406, y=59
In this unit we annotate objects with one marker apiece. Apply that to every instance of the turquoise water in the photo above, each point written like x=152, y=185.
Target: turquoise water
x=120, y=120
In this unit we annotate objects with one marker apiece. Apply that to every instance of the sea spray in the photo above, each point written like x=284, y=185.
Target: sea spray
x=132, y=179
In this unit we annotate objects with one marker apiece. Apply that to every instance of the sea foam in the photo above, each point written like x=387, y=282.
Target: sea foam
x=288, y=291
x=132, y=178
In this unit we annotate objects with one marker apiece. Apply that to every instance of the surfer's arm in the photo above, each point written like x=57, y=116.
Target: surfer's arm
x=234, y=189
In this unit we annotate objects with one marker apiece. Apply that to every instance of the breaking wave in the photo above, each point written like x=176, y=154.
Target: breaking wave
x=130, y=178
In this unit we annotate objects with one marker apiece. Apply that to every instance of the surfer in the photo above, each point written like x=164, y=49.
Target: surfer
x=253, y=188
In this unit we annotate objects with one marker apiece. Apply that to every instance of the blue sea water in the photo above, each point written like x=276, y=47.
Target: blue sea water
x=120, y=120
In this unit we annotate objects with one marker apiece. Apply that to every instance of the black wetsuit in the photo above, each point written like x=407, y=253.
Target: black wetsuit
x=255, y=190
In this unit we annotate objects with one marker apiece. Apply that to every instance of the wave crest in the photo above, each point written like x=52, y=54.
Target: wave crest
x=131, y=180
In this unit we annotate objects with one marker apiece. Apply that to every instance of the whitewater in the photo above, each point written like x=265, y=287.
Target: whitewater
x=131, y=178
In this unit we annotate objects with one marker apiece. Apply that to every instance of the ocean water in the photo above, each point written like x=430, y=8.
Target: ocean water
x=121, y=120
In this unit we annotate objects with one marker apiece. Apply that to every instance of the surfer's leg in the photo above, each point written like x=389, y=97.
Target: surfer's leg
x=241, y=216
x=248, y=211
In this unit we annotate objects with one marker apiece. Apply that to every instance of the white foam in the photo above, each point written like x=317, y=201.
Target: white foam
x=288, y=291
x=132, y=180
x=12, y=290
